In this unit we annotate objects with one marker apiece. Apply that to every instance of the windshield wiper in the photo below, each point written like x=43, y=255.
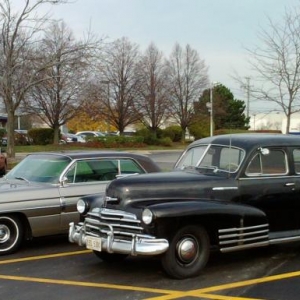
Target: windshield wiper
x=213, y=169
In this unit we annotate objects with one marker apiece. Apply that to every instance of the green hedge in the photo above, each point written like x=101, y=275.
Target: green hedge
x=116, y=142
x=41, y=136
x=2, y=132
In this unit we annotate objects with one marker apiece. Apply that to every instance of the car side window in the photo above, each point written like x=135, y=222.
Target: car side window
x=129, y=166
x=80, y=172
x=102, y=170
x=230, y=158
x=192, y=157
x=273, y=163
x=296, y=156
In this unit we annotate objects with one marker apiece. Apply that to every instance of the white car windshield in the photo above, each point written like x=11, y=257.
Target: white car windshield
x=212, y=157
x=39, y=168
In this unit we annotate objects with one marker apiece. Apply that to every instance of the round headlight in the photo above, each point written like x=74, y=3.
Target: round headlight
x=147, y=216
x=82, y=206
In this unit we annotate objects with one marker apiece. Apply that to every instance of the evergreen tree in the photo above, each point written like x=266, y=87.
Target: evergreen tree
x=228, y=113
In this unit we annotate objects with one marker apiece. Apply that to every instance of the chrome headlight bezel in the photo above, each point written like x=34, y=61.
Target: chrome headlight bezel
x=82, y=206
x=147, y=216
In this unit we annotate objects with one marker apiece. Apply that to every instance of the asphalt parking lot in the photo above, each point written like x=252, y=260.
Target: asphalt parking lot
x=52, y=268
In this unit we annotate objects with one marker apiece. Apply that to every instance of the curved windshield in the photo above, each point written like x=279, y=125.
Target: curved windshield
x=212, y=157
x=39, y=168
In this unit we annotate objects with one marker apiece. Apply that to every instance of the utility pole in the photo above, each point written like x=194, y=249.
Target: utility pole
x=248, y=95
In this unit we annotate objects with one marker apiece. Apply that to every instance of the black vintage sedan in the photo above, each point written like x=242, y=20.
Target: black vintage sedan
x=38, y=197
x=228, y=193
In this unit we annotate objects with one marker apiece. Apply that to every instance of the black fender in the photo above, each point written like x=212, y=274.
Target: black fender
x=182, y=208
x=92, y=201
x=212, y=214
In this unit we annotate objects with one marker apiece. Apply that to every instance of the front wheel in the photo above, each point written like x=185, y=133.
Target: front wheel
x=110, y=257
x=11, y=234
x=188, y=253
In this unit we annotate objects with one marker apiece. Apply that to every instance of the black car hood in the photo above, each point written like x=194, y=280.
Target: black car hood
x=164, y=185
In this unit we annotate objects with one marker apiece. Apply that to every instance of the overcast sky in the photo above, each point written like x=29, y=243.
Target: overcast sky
x=219, y=30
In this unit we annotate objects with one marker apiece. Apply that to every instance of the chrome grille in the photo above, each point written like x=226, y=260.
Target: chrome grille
x=121, y=224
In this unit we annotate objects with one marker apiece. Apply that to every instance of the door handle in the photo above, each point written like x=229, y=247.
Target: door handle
x=289, y=184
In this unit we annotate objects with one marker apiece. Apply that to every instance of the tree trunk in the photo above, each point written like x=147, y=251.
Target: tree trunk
x=56, y=135
x=10, y=134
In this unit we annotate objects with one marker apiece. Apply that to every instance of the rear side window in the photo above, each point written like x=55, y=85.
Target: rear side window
x=296, y=156
x=273, y=163
x=102, y=169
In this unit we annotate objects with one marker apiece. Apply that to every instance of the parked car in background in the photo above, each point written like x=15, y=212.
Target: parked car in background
x=71, y=138
x=3, y=162
x=90, y=134
x=21, y=138
x=227, y=193
x=38, y=197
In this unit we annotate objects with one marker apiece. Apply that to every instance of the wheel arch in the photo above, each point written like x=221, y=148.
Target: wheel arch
x=211, y=215
x=23, y=219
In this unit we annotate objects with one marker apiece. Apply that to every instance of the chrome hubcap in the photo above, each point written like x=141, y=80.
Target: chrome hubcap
x=187, y=250
x=4, y=233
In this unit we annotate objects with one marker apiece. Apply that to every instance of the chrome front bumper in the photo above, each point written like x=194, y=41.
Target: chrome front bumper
x=138, y=245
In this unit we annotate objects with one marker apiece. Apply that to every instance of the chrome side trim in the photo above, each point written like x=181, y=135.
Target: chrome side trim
x=234, y=229
x=238, y=238
x=225, y=188
x=261, y=244
x=267, y=177
x=285, y=240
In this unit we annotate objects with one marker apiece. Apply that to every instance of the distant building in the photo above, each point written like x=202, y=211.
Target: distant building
x=275, y=121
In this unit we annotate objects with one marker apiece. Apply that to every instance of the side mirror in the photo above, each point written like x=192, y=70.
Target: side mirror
x=64, y=181
x=264, y=151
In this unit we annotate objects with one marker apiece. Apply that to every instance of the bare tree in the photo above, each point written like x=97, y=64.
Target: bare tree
x=118, y=83
x=153, y=102
x=188, y=77
x=59, y=95
x=19, y=32
x=276, y=65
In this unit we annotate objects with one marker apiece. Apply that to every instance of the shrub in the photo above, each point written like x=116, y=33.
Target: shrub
x=116, y=142
x=2, y=132
x=150, y=137
x=166, y=141
x=174, y=132
x=41, y=136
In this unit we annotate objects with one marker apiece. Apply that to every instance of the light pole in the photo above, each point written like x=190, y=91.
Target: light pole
x=209, y=106
x=211, y=111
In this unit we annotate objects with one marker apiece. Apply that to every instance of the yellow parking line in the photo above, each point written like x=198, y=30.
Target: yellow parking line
x=220, y=297
x=86, y=284
x=168, y=294
x=179, y=295
x=202, y=292
x=16, y=260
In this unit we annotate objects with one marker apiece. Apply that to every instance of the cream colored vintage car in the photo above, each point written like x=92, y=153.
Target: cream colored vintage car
x=38, y=197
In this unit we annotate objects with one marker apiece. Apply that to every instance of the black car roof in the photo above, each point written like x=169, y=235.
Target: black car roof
x=78, y=154
x=250, y=140
x=146, y=162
